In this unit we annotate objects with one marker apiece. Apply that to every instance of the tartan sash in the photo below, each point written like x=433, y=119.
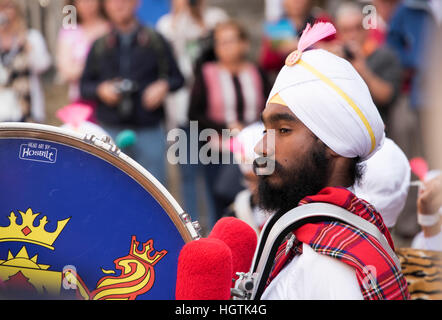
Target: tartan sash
x=377, y=275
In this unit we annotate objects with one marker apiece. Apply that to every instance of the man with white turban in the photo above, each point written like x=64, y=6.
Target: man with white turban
x=324, y=123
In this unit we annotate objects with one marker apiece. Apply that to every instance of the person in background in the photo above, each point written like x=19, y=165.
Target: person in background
x=74, y=44
x=384, y=11
x=429, y=208
x=411, y=31
x=378, y=66
x=281, y=37
x=229, y=93
x=128, y=74
x=428, y=171
x=185, y=27
x=23, y=57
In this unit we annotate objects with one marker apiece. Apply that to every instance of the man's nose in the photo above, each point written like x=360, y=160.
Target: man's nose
x=266, y=146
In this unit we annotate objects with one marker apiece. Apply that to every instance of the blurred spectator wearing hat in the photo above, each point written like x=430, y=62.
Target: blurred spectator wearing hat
x=73, y=44
x=128, y=74
x=23, y=57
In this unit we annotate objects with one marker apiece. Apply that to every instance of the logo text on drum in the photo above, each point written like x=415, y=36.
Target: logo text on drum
x=39, y=152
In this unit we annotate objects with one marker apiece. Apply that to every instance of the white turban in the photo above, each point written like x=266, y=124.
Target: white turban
x=330, y=98
x=386, y=182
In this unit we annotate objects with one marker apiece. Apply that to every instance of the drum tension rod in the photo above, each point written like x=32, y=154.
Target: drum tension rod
x=193, y=227
x=104, y=143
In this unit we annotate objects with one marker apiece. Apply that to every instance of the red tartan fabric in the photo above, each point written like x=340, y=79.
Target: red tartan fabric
x=282, y=258
x=377, y=275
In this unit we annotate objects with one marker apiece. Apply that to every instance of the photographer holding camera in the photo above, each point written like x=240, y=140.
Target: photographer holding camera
x=377, y=65
x=129, y=73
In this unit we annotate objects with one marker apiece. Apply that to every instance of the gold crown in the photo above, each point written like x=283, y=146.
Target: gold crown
x=146, y=254
x=26, y=232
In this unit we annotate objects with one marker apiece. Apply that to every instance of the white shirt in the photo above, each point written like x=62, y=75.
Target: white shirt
x=314, y=276
x=427, y=243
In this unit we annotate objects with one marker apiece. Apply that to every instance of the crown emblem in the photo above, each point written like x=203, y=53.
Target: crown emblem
x=147, y=253
x=27, y=232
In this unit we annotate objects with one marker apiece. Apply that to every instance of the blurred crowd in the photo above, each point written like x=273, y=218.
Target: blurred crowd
x=152, y=66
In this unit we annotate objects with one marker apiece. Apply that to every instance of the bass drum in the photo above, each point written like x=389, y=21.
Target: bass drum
x=81, y=220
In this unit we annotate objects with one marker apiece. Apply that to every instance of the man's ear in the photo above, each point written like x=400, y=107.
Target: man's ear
x=332, y=153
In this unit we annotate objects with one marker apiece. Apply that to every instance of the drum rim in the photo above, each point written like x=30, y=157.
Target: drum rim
x=121, y=161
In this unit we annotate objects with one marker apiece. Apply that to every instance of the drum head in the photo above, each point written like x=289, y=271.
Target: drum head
x=79, y=222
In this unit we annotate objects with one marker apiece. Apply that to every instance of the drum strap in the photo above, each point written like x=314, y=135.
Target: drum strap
x=274, y=233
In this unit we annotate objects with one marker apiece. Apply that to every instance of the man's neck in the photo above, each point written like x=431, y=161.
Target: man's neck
x=339, y=173
x=339, y=180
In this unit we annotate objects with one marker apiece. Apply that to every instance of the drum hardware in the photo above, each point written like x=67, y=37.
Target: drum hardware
x=196, y=225
x=104, y=143
x=244, y=286
x=193, y=227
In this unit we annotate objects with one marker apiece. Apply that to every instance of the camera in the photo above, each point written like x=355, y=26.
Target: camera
x=126, y=88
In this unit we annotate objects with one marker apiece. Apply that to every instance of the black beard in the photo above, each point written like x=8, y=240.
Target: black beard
x=297, y=183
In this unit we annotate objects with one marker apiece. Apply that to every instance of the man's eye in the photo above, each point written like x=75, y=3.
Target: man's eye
x=284, y=130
